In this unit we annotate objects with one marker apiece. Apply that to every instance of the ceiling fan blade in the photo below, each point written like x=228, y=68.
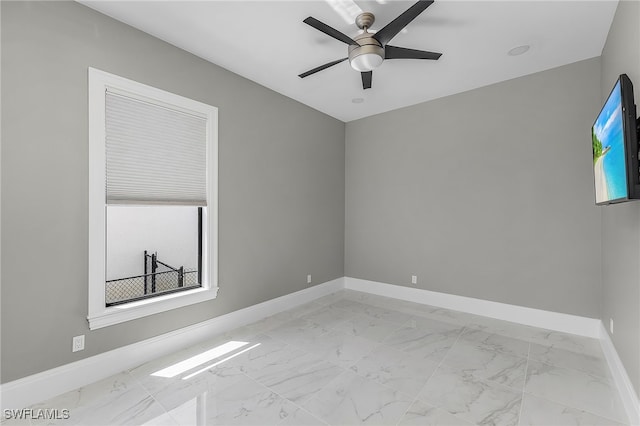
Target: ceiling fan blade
x=393, y=52
x=321, y=67
x=366, y=79
x=394, y=27
x=320, y=26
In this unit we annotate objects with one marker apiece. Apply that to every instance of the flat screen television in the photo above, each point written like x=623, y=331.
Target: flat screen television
x=615, y=147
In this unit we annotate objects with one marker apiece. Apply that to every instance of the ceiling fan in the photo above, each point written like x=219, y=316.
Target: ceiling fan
x=366, y=51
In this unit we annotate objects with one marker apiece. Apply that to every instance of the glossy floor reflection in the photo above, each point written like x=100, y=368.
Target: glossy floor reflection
x=352, y=358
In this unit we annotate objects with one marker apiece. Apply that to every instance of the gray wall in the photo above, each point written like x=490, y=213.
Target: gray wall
x=281, y=182
x=621, y=222
x=486, y=194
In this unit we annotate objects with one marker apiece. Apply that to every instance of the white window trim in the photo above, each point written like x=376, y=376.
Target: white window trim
x=99, y=315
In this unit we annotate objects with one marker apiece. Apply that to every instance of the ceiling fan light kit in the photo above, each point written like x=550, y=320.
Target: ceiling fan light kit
x=367, y=51
x=368, y=54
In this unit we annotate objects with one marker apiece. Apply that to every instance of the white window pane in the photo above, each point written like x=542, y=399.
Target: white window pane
x=168, y=234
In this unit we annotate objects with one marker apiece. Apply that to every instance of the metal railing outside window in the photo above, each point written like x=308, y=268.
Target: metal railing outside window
x=159, y=278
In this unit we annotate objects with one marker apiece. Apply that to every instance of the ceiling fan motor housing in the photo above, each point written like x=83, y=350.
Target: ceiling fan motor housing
x=368, y=55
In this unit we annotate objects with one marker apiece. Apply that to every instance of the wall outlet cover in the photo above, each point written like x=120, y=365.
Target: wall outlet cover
x=78, y=343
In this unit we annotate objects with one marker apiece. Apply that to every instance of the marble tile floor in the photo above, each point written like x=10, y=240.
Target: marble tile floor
x=353, y=358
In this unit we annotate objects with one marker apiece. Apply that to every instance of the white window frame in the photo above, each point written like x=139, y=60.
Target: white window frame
x=99, y=315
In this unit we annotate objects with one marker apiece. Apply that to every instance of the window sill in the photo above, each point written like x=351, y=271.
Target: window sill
x=130, y=311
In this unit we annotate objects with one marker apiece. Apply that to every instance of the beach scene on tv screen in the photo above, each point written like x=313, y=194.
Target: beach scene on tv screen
x=608, y=151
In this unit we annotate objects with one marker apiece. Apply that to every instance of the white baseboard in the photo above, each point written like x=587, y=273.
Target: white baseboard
x=41, y=386
x=47, y=384
x=620, y=377
x=556, y=321
x=581, y=326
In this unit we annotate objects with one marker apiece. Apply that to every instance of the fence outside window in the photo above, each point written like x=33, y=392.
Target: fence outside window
x=159, y=278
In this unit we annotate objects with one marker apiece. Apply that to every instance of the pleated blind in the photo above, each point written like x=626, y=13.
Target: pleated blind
x=155, y=154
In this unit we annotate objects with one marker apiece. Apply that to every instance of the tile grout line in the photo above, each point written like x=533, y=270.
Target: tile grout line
x=378, y=344
x=299, y=406
x=333, y=329
x=577, y=370
x=144, y=388
x=430, y=377
x=524, y=385
x=577, y=409
x=558, y=402
x=313, y=396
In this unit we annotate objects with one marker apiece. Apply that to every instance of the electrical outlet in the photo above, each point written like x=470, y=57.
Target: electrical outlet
x=78, y=344
x=309, y=279
x=414, y=279
x=611, y=325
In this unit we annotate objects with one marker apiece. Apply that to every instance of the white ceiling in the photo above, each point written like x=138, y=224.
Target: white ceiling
x=267, y=42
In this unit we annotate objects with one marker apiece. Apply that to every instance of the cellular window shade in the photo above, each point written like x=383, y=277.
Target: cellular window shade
x=155, y=154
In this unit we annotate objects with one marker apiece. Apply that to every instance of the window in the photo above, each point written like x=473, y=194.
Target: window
x=152, y=200
x=151, y=251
